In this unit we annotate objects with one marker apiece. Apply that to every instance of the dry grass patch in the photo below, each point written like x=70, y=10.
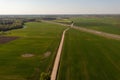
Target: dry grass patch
x=27, y=55
x=47, y=54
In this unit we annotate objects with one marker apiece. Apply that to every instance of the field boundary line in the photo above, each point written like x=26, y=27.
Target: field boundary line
x=58, y=56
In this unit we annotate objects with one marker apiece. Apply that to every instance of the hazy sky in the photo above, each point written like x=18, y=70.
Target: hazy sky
x=59, y=6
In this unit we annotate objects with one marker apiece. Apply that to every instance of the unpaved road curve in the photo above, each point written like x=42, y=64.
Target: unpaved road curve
x=99, y=33
x=57, y=59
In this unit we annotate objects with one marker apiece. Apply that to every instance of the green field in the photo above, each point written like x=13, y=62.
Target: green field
x=89, y=57
x=105, y=24
x=64, y=21
x=39, y=39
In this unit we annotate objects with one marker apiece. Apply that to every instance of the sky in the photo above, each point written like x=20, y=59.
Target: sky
x=59, y=7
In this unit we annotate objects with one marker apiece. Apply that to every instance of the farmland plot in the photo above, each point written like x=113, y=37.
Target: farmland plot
x=31, y=53
x=89, y=57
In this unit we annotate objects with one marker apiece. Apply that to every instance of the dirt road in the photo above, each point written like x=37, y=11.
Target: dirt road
x=99, y=33
x=57, y=59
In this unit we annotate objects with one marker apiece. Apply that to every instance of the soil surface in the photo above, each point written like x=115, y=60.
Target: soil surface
x=47, y=54
x=5, y=39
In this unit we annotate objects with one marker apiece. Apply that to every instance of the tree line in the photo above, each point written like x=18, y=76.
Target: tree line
x=14, y=23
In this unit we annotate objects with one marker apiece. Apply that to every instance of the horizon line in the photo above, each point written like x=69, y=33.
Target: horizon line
x=68, y=14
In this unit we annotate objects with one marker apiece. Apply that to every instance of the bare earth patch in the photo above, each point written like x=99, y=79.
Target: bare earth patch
x=27, y=55
x=5, y=39
x=47, y=54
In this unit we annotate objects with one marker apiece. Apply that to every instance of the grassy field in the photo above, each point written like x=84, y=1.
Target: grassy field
x=64, y=21
x=39, y=39
x=89, y=57
x=105, y=24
